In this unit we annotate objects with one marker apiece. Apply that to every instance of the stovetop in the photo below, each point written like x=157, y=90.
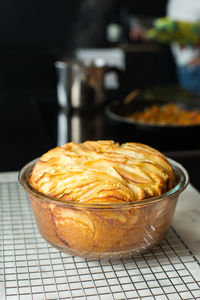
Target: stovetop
x=31, y=125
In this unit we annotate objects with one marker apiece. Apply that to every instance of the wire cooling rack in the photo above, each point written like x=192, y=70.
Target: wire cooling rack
x=31, y=269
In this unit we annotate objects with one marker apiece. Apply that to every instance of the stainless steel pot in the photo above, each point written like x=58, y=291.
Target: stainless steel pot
x=80, y=83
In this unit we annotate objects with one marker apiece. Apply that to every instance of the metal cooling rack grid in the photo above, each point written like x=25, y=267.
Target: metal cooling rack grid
x=31, y=269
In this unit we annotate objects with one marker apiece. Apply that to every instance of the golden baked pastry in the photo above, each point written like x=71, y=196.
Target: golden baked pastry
x=98, y=187
x=102, y=172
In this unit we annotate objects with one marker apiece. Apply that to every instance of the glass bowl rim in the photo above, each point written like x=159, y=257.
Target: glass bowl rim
x=180, y=186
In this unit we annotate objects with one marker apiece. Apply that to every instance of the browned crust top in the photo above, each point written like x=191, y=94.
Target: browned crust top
x=103, y=172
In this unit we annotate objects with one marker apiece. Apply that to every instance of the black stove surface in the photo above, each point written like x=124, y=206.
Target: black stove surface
x=31, y=125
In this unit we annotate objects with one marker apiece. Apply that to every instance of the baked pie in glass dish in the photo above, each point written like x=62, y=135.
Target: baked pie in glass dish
x=101, y=199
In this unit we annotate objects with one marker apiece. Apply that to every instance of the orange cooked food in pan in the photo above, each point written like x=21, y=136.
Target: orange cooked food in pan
x=169, y=114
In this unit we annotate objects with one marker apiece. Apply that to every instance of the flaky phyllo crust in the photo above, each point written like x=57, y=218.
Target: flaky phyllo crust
x=103, y=172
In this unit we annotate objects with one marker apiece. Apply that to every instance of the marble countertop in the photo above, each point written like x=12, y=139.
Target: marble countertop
x=186, y=220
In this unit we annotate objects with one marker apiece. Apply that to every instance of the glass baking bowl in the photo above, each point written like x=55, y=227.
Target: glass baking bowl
x=104, y=230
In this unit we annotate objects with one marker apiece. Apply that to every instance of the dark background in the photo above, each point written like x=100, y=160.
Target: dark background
x=34, y=34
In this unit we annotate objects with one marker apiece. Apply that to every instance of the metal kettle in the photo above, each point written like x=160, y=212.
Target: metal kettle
x=81, y=83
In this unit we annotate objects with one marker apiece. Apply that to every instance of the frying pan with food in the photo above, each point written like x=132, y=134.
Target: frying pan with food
x=161, y=136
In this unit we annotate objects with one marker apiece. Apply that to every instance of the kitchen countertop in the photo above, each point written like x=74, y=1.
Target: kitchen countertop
x=32, y=269
x=186, y=221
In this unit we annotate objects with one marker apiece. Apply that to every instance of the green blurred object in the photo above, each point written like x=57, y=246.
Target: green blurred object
x=167, y=92
x=166, y=30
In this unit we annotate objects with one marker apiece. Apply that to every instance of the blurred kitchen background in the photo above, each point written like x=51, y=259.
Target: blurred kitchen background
x=35, y=113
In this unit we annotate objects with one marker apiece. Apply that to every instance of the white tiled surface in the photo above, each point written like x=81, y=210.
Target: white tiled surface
x=186, y=220
x=31, y=269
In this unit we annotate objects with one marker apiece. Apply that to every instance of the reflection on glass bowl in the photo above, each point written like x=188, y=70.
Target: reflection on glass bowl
x=104, y=230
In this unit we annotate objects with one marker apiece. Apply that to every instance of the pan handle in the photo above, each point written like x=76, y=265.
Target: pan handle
x=131, y=96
